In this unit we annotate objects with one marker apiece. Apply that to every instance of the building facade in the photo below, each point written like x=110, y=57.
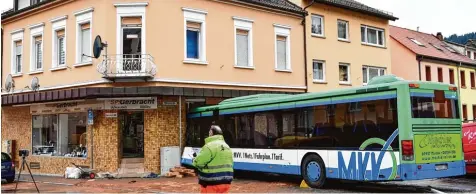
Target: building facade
x=468, y=49
x=115, y=112
x=346, y=43
x=421, y=56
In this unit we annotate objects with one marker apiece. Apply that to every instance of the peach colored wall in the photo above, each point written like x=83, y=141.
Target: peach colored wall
x=165, y=42
x=333, y=51
x=404, y=61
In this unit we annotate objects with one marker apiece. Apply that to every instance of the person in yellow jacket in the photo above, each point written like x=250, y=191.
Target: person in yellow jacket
x=214, y=163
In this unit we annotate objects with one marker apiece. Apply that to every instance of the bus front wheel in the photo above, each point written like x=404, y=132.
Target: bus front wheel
x=313, y=171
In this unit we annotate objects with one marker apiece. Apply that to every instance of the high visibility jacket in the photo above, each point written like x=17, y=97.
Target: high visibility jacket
x=214, y=162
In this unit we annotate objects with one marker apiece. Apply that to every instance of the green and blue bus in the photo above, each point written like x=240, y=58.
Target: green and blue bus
x=391, y=129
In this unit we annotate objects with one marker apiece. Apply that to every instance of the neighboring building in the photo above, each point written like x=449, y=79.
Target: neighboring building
x=421, y=56
x=346, y=43
x=468, y=49
x=162, y=58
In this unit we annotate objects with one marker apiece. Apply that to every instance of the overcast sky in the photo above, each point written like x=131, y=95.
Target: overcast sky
x=446, y=16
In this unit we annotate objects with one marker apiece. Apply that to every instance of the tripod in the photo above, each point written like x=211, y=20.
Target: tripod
x=23, y=164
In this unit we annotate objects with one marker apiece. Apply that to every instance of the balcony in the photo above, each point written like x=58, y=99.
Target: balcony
x=127, y=67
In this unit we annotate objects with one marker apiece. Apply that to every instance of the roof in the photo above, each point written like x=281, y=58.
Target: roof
x=284, y=5
x=359, y=7
x=403, y=35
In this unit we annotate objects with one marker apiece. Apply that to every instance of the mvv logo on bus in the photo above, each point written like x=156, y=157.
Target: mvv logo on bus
x=356, y=167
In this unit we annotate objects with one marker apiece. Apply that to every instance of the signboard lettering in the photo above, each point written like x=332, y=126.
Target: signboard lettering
x=432, y=148
x=131, y=103
x=110, y=115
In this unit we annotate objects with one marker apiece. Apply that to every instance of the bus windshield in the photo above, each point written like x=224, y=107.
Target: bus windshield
x=429, y=107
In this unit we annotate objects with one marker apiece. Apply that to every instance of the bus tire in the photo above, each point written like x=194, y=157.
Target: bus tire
x=313, y=171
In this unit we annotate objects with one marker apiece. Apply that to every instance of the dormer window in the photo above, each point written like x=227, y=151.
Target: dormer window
x=416, y=42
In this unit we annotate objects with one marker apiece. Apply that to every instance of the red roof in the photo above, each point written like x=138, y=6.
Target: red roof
x=403, y=36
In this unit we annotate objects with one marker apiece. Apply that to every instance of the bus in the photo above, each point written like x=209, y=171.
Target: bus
x=390, y=129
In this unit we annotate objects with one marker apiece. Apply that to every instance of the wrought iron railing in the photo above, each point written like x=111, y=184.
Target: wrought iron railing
x=127, y=65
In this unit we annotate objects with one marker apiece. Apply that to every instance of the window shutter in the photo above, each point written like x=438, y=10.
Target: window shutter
x=281, y=51
x=131, y=21
x=194, y=25
x=60, y=33
x=18, y=43
x=242, y=47
x=38, y=38
x=85, y=26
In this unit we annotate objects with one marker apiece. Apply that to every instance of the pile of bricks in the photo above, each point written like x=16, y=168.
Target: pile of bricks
x=179, y=172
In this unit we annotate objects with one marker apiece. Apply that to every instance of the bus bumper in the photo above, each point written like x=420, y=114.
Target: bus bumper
x=428, y=171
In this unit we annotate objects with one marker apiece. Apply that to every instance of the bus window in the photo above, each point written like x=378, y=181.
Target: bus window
x=260, y=130
x=427, y=107
x=244, y=137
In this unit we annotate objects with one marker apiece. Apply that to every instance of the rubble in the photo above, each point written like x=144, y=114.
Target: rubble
x=179, y=172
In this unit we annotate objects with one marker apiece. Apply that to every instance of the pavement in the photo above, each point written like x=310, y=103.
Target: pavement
x=244, y=183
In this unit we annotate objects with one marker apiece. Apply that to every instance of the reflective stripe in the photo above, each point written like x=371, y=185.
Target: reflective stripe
x=219, y=178
x=219, y=166
x=216, y=174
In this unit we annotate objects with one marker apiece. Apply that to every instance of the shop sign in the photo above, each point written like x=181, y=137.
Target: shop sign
x=170, y=103
x=90, y=117
x=131, y=103
x=66, y=107
x=110, y=115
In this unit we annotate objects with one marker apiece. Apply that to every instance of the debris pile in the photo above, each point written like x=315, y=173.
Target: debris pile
x=179, y=172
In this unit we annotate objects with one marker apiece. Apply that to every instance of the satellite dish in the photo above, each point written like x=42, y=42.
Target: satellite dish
x=98, y=46
x=9, y=83
x=35, y=84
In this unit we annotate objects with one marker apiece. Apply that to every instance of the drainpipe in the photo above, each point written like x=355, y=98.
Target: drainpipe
x=419, y=67
x=303, y=22
x=180, y=124
x=460, y=103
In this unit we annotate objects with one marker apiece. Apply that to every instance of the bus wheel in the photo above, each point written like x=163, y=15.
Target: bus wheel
x=313, y=171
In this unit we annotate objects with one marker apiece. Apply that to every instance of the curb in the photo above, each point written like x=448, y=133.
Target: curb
x=45, y=182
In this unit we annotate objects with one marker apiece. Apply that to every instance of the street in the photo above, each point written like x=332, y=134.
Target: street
x=265, y=183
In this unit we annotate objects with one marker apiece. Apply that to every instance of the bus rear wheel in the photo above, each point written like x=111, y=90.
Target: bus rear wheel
x=313, y=171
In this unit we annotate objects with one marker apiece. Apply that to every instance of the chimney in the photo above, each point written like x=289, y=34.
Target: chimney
x=418, y=28
x=439, y=36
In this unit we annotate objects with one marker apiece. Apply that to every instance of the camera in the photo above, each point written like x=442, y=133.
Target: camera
x=23, y=152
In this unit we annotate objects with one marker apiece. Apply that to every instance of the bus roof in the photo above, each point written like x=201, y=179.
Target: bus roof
x=381, y=83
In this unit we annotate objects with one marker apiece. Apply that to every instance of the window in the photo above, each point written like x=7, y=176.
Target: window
x=318, y=68
x=195, y=43
x=344, y=73
x=283, y=56
x=243, y=43
x=372, y=36
x=465, y=112
x=60, y=135
x=468, y=53
x=429, y=107
x=193, y=40
x=437, y=47
x=370, y=72
x=38, y=54
x=449, y=48
x=428, y=73
x=132, y=42
x=416, y=42
x=342, y=30
x=440, y=74
x=317, y=27
x=473, y=84
x=61, y=48
x=85, y=42
x=463, y=79
x=474, y=112
x=452, y=76
x=18, y=56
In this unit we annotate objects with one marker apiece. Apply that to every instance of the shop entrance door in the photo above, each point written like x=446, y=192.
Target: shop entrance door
x=131, y=124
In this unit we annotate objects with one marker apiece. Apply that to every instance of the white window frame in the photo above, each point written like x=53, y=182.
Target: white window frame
x=377, y=29
x=348, y=73
x=323, y=80
x=282, y=30
x=197, y=16
x=17, y=35
x=83, y=17
x=346, y=30
x=35, y=31
x=368, y=74
x=323, y=34
x=59, y=24
x=244, y=24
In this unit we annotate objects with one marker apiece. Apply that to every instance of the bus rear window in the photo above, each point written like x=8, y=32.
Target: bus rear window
x=431, y=107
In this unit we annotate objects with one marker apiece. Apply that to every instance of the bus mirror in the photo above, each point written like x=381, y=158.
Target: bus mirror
x=440, y=96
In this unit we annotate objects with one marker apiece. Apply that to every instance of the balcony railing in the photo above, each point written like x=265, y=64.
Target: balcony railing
x=127, y=66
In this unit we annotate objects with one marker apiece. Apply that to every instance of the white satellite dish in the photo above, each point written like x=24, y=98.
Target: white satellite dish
x=35, y=84
x=9, y=83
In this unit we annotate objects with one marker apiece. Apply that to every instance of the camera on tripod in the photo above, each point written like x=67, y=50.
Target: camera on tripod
x=23, y=153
